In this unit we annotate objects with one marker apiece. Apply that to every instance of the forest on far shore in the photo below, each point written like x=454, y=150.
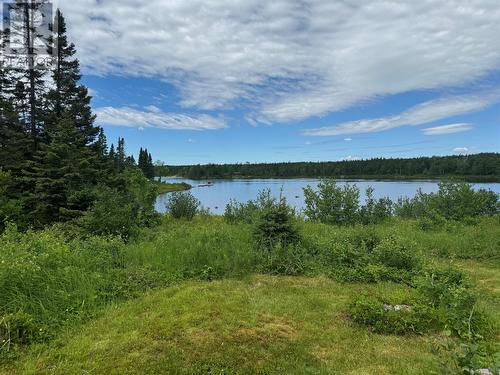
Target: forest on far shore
x=484, y=166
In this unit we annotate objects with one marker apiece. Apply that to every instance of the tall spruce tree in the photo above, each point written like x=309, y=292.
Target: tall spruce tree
x=30, y=86
x=68, y=97
x=69, y=163
x=63, y=174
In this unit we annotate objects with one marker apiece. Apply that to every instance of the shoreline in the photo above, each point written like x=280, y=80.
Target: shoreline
x=470, y=179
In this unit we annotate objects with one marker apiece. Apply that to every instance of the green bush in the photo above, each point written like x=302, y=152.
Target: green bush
x=332, y=204
x=466, y=357
x=391, y=319
x=18, y=328
x=432, y=221
x=453, y=201
x=112, y=213
x=276, y=226
x=365, y=238
x=397, y=252
x=375, y=210
x=442, y=300
x=122, y=212
x=249, y=212
x=364, y=257
x=459, y=200
x=450, y=294
x=182, y=205
x=236, y=212
x=412, y=208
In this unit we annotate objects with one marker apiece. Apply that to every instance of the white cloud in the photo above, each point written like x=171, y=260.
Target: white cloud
x=448, y=129
x=418, y=115
x=460, y=150
x=155, y=118
x=348, y=139
x=288, y=60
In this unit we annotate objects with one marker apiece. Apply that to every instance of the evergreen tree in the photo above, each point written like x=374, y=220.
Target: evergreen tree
x=68, y=97
x=150, y=168
x=146, y=163
x=30, y=86
x=63, y=174
x=13, y=141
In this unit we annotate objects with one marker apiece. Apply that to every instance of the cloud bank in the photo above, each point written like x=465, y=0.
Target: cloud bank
x=153, y=117
x=288, y=60
x=421, y=114
x=447, y=129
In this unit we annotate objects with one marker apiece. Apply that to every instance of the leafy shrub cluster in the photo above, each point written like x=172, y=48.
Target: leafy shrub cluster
x=120, y=212
x=183, y=205
x=333, y=204
x=452, y=201
x=367, y=258
x=251, y=211
x=442, y=300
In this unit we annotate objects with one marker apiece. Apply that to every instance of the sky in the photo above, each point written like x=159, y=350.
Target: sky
x=222, y=81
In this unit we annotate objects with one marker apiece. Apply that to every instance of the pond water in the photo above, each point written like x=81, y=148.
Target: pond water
x=219, y=192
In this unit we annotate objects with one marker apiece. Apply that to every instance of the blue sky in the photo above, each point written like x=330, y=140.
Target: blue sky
x=250, y=81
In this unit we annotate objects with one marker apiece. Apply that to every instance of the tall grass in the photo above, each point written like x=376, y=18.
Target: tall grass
x=186, y=249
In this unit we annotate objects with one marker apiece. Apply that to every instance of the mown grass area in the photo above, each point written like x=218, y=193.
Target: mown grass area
x=258, y=324
x=198, y=297
x=168, y=187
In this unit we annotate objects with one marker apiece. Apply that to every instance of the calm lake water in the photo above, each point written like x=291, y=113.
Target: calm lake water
x=217, y=195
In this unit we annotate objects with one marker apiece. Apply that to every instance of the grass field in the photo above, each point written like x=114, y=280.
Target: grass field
x=259, y=324
x=197, y=298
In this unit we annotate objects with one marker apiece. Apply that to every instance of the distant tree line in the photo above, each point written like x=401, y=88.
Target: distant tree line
x=485, y=165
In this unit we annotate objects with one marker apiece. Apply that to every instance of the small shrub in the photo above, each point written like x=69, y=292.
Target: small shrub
x=385, y=318
x=466, y=357
x=249, y=212
x=332, y=204
x=432, y=221
x=453, y=201
x=375, y=211
x=112, y=214
x=182, y=205
x=397, y=253
x=276, y=227
x=449, y=292
x=365, y=238
x=206, y=273
x=412, y=208
x=442, y=300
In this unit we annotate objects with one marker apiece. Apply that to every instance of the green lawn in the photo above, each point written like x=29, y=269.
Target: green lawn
x=259, y=324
